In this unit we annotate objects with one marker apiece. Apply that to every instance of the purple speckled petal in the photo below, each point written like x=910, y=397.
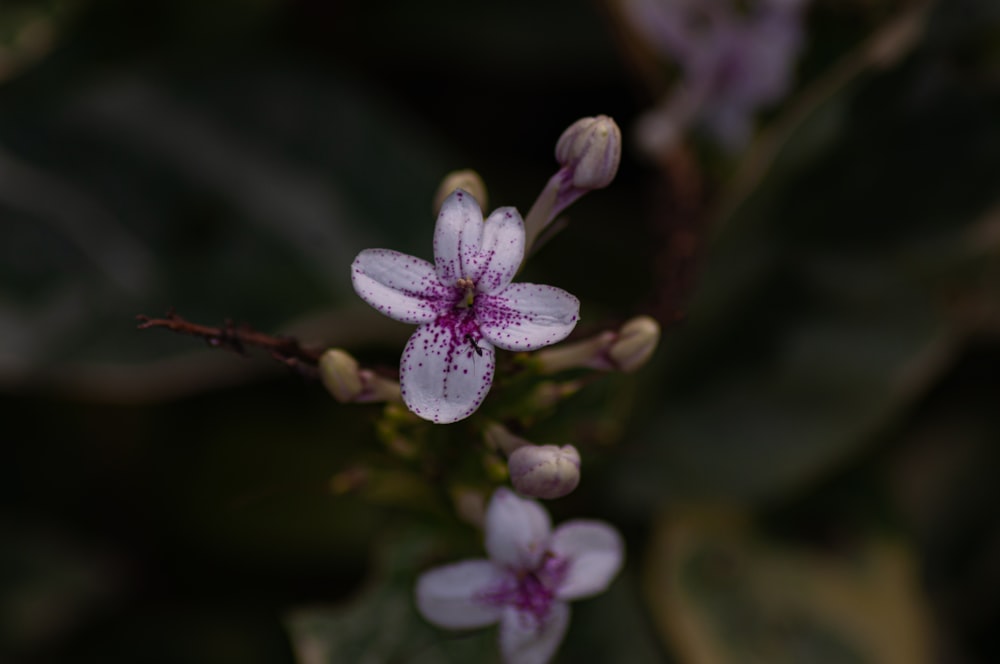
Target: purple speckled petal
x=595, y=552
x=458, y=237
x=526, y=640
x=451, y=596
x=501, y=252
x=401, y=287
x=527, y=316
x=516, y=531
x=446, y=369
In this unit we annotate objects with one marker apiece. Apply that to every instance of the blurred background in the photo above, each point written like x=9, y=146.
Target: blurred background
x=806, y=472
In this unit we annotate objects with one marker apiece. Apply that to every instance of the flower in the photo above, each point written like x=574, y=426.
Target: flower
x=464, y=304
x=531, y=574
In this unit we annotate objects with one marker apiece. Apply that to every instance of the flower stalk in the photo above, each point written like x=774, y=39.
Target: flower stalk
x=588, y=152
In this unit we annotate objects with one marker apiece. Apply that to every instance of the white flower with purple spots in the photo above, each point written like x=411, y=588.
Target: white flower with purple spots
x=530, y=576
x=465, y=306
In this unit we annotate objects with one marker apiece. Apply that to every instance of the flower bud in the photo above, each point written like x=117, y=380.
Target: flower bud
x=625, y=350
x=468, y=180
x=591, y=148
x=348, y=383
x=588, y=153
x=637, y=339
x=341, y=375
x=544, y=471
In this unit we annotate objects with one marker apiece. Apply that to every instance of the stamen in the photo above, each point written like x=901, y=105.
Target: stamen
x=469, y=286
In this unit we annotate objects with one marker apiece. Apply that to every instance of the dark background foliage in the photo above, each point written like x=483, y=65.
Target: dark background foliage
x=828, y=369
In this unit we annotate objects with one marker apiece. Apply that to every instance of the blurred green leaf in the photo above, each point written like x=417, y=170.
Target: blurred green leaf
x=721, y=593
x=239, y=191
x=382, y=625
x=822, y=309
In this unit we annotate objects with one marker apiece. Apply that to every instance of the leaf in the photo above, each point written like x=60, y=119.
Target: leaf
x=382, y=625
x=233, y=191
x=821, y=311
x=722, y=593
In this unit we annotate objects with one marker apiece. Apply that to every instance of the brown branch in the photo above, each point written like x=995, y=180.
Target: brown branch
x=237, y=338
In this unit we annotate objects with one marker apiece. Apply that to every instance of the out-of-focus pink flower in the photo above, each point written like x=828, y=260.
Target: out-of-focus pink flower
x=525, y=585
x=733, y=62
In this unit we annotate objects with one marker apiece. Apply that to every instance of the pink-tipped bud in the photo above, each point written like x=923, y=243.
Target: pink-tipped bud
x=592, y=149
x=544, y=471
x=588, y=153
x=637, y=339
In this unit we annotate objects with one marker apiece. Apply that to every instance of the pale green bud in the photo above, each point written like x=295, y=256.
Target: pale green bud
x=340, y=374
x=544, y=471
x=467, y=180
x=348, y=383
x=637, y=339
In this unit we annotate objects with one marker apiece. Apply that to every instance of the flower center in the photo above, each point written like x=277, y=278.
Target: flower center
x=469, y=295
x=531, y=592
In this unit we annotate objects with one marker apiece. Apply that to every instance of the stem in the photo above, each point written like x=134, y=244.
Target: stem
x=237, y=339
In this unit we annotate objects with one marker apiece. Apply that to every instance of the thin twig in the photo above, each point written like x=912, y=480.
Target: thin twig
x=237, y=338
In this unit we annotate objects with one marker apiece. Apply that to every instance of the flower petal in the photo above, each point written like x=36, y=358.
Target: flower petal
x=446, y=372
x=527, y=316
x=458, y=237
x=501, y=251
x=402, y=287
x=595, y=552
x=516, y=531
x=488, y=253
x=449, y=596
x=523, y=640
